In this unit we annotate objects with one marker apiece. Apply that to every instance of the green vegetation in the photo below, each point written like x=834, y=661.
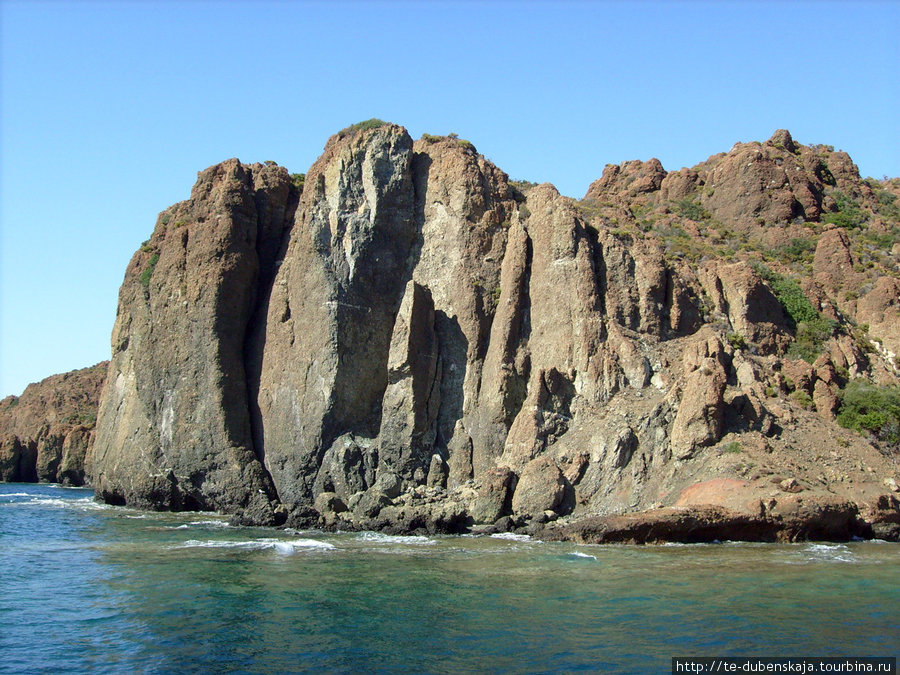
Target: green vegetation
x=812, y=330
x=679, y=244
x=365, y=125
x=887, y=204
x=849, y=215
x=688, y=208
x=431, y=138
x=860, y=335
x=298, y=180
x=145, y=246
x=731, y=448
x=86, y=419
x=789, y=294
x=801, y=249
x=811, y=337
x=803, y=399
x=736, y=340
x=148, y=272
x=880, y=241
x=871, y=409
x=522, y=185
x=823, y=173
x=591, y=208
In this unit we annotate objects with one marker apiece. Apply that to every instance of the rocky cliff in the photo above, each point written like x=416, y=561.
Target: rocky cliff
x=47, y=433
x=407, y=340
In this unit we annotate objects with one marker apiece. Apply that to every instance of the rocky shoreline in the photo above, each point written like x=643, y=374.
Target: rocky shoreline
x=793, y=518
x=404, y=339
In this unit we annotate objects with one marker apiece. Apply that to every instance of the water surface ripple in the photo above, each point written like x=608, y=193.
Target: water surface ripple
x=97, y=589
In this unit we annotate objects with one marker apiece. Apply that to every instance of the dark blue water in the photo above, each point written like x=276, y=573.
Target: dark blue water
x=90, y=588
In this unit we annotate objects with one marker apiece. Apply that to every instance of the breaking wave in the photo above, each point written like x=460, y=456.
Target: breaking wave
x=410, y=539
x=279, y=545
x=510, y=536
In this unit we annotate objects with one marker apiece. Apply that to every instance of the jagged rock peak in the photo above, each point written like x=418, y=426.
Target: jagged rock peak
x=782, y=139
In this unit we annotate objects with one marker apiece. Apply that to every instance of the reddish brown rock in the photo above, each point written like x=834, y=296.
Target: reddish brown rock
x=46, y=433
x=624, y=182
x=699, y=419
x=795, y=518
x=879, y=309
x=833, y=266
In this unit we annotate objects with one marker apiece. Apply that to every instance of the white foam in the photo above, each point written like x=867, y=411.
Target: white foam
x=83, y=503
x=213, y=543
x=821, y=553
x=830, y=552
x=284, y=547
x=290, y=547
x=19, y=494
x=511, y=536
x=210, y=523
x=411, y=539
x=311, y=543
x=579, y=554
x=260, y=544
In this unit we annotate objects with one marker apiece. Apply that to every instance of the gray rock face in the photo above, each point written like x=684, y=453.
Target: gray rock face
x=699, y=418
x=412, y=397
x=332, y=308
x=493, y=498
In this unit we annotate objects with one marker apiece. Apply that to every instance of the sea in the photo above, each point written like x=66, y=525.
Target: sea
x=91, y=588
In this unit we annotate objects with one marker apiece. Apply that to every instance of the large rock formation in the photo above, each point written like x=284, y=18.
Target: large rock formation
x=47, y=433
x=415, y=342
x=174, y=425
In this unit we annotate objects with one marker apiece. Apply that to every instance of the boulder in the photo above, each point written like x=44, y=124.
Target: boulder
x=541, y=487
x=493, y=498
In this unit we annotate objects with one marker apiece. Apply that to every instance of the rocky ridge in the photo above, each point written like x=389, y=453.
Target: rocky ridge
x=407, y=340
x=47, y=433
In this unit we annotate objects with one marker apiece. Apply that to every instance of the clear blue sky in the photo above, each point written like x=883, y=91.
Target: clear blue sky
x=110, y=108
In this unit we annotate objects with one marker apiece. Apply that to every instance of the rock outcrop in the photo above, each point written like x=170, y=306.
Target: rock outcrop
x=47, y=433
x=413, y=342
x=174, y=424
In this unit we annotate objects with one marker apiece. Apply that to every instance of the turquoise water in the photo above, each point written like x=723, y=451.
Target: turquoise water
x=93, y=588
